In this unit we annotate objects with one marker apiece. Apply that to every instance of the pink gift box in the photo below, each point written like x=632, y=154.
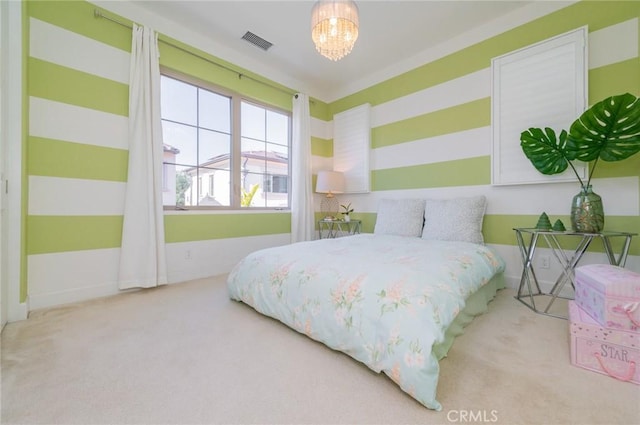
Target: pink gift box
x=611, y=352
x=610, y=294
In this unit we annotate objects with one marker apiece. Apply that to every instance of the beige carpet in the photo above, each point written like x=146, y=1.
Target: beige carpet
x=186, y=354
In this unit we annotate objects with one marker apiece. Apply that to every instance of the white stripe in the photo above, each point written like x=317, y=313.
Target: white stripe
x=552, y=198
x=470, y=87
x=321, y=129
x=321, y=163
x=197, y=259
x=66, y=277
x=61, y=121
x=612, y=44
x=60, y=46
x=71, y=197
x=464, y=144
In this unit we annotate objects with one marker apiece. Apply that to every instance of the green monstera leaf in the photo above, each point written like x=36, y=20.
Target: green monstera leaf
x=546, y=152
x=609, y=130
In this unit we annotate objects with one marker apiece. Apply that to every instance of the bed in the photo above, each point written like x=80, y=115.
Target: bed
x=391, y=301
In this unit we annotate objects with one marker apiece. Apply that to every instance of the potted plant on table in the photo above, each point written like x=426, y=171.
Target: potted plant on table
x=346, y=210
x=608, y=130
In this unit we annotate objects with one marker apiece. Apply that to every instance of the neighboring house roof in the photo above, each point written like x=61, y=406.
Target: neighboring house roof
x=270, y=156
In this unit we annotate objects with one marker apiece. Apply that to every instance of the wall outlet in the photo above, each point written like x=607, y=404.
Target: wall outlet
x=544, y=262
x=187, y=254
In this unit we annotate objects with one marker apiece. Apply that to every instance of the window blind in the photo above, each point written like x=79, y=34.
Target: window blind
x=351, y=147
x=542, y=85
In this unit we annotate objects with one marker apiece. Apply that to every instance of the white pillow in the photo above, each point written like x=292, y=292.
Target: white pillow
x=401, y=217
x=458, y=219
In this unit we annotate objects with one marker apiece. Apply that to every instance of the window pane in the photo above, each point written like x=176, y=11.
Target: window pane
x=277, y=159
x=277, y=128
x=183, y=140
x=178, y=101
x=215, y=111
x=214, y=149
x=216, y=184
x=252, y=190
x=253, y=121
x=250, y=145
x=183, y=184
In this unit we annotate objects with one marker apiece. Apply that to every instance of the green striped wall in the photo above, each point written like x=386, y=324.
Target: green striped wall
x=56, y=158
x=603, y=82
x=595, y=14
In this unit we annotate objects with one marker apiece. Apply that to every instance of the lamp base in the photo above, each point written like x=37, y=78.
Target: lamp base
x=329, y=207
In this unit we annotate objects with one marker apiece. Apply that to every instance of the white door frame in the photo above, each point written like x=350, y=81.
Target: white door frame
x=11, y=122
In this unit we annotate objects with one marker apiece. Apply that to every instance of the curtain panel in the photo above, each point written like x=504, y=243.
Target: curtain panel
x=302, y=219
x=142, y=255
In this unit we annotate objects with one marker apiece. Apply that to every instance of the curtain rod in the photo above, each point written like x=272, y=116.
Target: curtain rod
x=97, y=13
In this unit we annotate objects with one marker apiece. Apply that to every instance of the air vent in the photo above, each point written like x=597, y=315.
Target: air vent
x=257, y=41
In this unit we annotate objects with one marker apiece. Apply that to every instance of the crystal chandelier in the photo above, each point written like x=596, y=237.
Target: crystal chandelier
x=334, y=27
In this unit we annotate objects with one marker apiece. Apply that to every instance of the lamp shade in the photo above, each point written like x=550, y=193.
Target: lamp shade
x=330, y=182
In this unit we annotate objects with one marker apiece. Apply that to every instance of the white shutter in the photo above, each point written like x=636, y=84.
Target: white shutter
x=543, y=85
x=351, y=147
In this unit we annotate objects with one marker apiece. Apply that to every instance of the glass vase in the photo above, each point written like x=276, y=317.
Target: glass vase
x=587, y=213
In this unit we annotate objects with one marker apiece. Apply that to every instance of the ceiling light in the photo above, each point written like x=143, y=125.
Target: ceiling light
x=334, y=27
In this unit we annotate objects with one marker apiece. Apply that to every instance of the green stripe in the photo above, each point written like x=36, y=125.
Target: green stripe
x=498, y=229
x=629, y=167
x=597, y=15
x=461, y=172
x=49, y=234
x=457, y=118
x=618, y=78
x=199, y=227
x=62, y=84
x=78, y=17
x=321, y=147
x=24, y=196
x=56, y=158
x=320, y=110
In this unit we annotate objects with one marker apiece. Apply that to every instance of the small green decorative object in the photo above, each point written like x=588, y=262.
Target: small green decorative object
x=543, y=222
x=558, y=226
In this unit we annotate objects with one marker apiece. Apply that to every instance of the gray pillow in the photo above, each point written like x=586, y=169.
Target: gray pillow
x=458, y=219
x=401, y=217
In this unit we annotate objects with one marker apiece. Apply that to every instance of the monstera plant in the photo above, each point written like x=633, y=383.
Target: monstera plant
x=608, y=131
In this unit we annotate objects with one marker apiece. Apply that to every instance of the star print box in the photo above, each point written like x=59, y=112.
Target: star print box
x=610, y=294
x=611, y=352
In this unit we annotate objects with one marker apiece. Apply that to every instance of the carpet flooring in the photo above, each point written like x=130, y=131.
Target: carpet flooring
x=186, y=354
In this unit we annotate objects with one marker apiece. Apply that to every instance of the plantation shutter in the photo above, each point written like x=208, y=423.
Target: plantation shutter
x=542, y=85
x=351, y=147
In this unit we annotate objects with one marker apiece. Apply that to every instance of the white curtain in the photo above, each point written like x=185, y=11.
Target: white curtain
x=302, y=222
x=142, y=257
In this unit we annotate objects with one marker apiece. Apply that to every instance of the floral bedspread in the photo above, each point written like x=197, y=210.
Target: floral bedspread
x=384, y=300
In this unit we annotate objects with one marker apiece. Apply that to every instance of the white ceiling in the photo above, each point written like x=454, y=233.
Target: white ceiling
x=394, y=36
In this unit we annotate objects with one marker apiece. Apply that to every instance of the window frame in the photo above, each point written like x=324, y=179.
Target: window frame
x=236, y=144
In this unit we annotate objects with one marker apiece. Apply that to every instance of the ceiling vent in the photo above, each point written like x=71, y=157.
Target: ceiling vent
x=257, y=41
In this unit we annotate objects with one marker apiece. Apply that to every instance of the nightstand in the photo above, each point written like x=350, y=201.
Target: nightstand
x=529, y=288
x=328, y=229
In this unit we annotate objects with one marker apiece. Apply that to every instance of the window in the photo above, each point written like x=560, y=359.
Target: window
x=542, y=85
x=221, y=150
x=351, y=142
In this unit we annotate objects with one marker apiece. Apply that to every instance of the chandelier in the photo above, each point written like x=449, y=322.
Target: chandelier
x=334, y=27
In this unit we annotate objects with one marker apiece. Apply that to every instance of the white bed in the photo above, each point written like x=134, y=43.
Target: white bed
x=393, y=302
